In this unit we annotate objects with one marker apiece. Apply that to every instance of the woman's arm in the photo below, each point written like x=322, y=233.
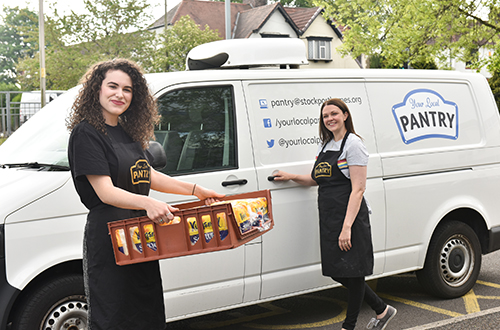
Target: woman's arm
x=156, y=210
x=167, y=184
x=303, y=179
x=358, y=184
x=109, y=194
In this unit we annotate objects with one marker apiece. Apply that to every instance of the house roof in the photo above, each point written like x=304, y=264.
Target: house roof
x=303, y=17
x=211, y=13
x=245, y=20
x=253, y=19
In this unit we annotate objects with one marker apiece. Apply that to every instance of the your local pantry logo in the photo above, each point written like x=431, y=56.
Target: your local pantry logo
x=425, y=114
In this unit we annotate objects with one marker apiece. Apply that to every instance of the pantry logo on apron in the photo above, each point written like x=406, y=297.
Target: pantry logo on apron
x=323, y=170
x=140, y=172
x=425, y=114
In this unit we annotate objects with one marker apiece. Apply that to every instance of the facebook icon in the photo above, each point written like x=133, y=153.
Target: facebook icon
x=267, y=123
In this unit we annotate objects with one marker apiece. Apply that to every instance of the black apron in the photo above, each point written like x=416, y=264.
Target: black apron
x=121, y=297
x=333, y=196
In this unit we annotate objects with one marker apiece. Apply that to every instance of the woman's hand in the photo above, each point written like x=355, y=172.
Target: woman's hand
x=283, y=176
x=159, y=212
x=208, y=195
x=345, y=243
x=303, y=179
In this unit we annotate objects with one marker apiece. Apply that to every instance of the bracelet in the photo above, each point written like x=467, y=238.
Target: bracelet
x=194, y=187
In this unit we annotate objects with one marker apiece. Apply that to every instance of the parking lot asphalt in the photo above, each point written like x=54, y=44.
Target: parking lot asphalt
x=489, y=319
x=325, y=310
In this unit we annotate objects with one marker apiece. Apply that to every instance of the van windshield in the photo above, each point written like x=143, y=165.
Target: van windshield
x=43, y=139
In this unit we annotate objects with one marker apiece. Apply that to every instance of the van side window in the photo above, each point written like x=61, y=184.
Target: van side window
x=196, y=129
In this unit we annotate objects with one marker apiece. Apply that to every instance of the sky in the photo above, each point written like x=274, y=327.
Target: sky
x=157, y=9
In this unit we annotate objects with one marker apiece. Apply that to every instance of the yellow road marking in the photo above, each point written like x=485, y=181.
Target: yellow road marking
x=273, y=311
x=493, y=285
x=471, y=304
x=489, y=297
x=339, y=318
x=420, y=305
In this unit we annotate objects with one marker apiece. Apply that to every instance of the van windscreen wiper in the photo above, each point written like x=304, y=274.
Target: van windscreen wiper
x=41, y=166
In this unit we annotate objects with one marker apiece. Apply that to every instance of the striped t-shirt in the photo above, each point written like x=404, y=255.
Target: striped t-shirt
x=354, y=153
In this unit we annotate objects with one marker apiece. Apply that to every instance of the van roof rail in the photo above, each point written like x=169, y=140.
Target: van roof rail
x=248, y=53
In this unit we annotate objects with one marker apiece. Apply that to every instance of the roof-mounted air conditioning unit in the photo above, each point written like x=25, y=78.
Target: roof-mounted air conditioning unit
x=248, y=53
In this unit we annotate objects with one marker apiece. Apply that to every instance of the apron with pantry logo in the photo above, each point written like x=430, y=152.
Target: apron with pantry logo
x=333, y=196
x=121, y=297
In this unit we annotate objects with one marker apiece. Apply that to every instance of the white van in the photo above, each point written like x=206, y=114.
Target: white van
x=433, y=177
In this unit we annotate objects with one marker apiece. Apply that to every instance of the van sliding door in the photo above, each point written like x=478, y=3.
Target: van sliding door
x=284, y=118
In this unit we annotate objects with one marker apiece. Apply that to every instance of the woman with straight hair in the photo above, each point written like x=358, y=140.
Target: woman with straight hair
x=345, y=235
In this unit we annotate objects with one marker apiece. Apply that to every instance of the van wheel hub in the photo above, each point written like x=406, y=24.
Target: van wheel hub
x=68, y=314
x=456, y=261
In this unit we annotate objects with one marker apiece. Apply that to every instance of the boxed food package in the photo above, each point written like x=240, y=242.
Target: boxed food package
x=195, y=228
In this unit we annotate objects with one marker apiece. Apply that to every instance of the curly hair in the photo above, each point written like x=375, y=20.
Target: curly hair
x=140, y=117
x=324, y=133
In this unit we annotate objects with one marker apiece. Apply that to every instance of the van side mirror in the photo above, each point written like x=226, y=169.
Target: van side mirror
x=160, y=158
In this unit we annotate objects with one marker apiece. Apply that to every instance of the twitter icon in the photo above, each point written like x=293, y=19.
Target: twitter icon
x=270, y=143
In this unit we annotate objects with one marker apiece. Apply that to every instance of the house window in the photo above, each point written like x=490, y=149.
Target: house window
x=319, y=48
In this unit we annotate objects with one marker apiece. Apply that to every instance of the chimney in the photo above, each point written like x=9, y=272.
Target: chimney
x=255, y=3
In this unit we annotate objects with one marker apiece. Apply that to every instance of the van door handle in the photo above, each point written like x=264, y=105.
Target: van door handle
x=234, y=182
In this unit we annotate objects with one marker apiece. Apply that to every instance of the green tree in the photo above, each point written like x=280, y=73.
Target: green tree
x=181, y=38
x=297, y=3
x=289, y=3
x=15, y=40
x=109, y=29
x=405, y=31
x=494, y=82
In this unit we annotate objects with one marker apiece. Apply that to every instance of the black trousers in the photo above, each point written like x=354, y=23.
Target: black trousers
x=358, y=291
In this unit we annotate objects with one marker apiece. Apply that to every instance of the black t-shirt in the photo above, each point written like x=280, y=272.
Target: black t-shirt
x=90, y=152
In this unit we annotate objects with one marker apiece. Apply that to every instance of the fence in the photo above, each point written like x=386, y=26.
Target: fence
x=14, y=114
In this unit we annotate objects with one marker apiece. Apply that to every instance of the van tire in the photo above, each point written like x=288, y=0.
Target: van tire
x=456, y=242
x=57, y=304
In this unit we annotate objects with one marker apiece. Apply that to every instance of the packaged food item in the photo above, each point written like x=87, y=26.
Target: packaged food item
x=194, y=235
x=258, y=212
x=174, y=221
x=149, y=234
x=121, y=242
x=207, y=227
x=136, y=238
x=222, y=224
x=242, y=215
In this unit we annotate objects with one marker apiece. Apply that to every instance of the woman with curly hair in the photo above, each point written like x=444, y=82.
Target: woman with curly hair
x=111, y=123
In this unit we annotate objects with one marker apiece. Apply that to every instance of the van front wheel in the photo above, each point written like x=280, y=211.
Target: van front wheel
x=453, y=261
x=58, y=304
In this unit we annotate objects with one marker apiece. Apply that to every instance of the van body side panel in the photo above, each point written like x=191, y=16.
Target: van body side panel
x=198, y=283
x=436, y=157
x=284, y=116
x=47, y=226
x=7, y=292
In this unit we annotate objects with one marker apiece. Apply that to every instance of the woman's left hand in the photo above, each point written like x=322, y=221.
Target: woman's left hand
x=208, y=195
x=345, y=243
